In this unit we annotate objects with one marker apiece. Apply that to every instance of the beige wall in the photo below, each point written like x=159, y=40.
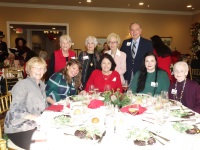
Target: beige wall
x=100, y=24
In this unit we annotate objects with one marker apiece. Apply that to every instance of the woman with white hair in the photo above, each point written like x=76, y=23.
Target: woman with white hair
x=60, y=57
x=120, y=57
x=89, y=59
x=184, y=90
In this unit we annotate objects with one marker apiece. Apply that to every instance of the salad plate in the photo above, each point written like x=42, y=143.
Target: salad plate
x=63, y=121
x=182, y=113
x=141, y=137
x=187, y=128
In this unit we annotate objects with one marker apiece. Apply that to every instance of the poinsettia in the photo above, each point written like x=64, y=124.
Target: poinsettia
x=116, y=98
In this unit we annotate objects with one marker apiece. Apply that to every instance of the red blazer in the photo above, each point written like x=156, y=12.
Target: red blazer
x=60, y=60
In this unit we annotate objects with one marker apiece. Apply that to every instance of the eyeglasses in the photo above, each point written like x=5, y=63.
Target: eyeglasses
x=38, y=68
x=115, y=42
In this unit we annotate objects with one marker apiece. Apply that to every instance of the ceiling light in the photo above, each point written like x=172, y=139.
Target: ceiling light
x=141, y=3
x=189, y=6
x=128, y=4
x=53, y=28
x=11, y=27
x=89, y=1
x=79, y=2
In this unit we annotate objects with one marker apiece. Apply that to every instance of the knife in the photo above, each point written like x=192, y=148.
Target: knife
x=104, y=133
x=183, y=120
x=160, y=136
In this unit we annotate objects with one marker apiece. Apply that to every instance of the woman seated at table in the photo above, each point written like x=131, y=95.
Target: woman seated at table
x=184, y=90
x=28, y=102
x=150, y=79
x=106, y=75
x=64, y=83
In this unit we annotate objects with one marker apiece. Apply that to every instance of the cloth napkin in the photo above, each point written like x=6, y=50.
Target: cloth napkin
x=95, y=104
x=141, y=109
x=55, y=108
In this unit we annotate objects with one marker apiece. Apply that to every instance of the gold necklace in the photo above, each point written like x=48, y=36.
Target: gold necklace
x=179, y=99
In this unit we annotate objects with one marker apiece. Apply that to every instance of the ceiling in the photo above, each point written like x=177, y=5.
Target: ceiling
x=161, y=5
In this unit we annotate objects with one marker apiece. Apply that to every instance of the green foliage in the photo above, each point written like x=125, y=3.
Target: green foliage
x=116, y=98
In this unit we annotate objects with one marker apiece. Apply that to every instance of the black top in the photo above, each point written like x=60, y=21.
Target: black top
x=91, y=66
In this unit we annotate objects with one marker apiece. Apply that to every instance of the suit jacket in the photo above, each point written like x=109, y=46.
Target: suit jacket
x=143, y=47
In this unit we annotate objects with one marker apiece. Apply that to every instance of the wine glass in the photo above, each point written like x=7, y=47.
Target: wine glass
x=125, y=86
x=91, y=89
x=107, y=88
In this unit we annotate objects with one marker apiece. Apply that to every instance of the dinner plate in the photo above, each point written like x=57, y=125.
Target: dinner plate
x=182, y=127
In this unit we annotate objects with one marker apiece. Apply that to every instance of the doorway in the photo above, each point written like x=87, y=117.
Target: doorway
x=39, y=36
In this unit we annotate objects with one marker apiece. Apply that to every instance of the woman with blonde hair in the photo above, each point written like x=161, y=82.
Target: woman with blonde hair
x=64, y=83
x=119, y=57
x=60, y=57
x=28, y=102
x=89, y=59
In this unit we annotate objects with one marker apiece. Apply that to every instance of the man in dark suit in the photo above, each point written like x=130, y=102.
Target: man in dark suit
x=3, y=48
x=135, y=49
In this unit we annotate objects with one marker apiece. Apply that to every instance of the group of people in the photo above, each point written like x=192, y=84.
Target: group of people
x=138, y=61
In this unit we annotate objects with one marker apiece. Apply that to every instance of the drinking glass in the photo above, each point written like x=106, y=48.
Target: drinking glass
x=129, y=94
x=125, y=86
x=96, y=93
x=91, y=89
x=107, y=87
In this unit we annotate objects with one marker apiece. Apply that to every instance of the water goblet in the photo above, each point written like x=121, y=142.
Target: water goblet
x=125, y=86
x=107, y=88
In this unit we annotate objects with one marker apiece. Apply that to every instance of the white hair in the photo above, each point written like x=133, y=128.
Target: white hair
x=181, y=64
x=93, y=39
x=65, y=37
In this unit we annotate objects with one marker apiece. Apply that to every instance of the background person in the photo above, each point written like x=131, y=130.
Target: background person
x=150, y=79
x=3, y=48
x=119, y=57
x=64, y=83
x=162, y=53
x=28, y=102
x=60, y=57
x=184, y=90
x=142, y=46
x=105, y=48
x=105, y=76
x=89, y=59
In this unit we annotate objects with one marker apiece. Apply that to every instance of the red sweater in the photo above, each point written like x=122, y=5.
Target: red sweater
x=97, y=79
x=60, y=60
x=164, y=64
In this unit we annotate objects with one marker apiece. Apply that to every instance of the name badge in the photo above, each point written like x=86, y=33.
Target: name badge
x=174, y=91
x=73, y=57
x=128, y=44
x=85, y=57
x=154, y=84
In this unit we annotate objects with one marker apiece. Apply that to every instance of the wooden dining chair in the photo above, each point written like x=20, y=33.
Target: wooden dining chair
x=12, y=76
x=194, y=73
x=5, y=102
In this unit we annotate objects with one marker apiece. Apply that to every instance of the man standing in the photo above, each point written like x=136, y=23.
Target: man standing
x=135, y=49
x=3, y=48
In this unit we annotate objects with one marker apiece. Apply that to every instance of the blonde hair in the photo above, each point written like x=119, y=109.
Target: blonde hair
x=35, y=61
x=113, y=35
x=93, y=39
x=65, y=37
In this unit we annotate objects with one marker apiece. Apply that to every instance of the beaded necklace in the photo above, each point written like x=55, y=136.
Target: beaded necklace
x=175, y=95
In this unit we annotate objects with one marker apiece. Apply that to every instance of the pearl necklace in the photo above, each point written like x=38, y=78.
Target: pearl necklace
x=175, y=95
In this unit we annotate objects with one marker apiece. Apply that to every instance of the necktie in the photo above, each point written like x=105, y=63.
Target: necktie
x=133, y=50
